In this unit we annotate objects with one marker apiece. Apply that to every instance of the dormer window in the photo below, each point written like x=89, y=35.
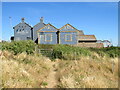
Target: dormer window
x=48, y=27
x=67, y=27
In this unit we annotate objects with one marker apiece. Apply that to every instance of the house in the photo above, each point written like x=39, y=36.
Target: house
x=43, y=33
x=37, y=27
x=22, y=31
x=47, y=35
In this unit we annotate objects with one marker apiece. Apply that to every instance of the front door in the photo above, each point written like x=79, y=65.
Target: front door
x=42, y=39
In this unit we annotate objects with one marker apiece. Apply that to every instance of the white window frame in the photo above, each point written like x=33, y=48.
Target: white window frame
x=70, y=37
x=46, y=37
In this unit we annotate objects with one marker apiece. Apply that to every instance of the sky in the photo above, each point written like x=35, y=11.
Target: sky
x=98, y=18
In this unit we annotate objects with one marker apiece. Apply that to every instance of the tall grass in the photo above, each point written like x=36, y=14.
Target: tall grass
x=23, y=70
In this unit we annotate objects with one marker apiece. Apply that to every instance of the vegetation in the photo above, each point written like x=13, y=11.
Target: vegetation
x=23, y=71
x=87, y=73
x=65, y=52
x=109, y=51
x=19, y=46
x=36, y=71
x=68, y=52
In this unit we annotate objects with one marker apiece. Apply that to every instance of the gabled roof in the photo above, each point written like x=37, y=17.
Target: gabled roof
x=46, y=26
x=38, y=24
x=81, y=31
x=69, y=25
x=86, y=37
x=21, y=23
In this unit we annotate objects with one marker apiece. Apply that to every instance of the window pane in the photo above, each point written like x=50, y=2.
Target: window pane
x=68, y=38
x=48, y=37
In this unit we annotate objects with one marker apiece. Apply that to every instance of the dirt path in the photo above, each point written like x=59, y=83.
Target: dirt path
x=51, y=79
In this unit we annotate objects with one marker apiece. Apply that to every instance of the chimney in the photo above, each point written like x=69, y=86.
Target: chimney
x=22, y=19
x=41, y=20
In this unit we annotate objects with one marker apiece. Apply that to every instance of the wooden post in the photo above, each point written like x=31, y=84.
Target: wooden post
x=113, y=65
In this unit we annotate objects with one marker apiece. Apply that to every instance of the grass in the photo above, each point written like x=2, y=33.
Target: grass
x=65, y=52
x=31, y=71
x=88, y=74
x=76, y=67
x=22, y=70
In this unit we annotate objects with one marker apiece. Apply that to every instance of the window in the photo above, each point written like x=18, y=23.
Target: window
x=48, y=37
x=68, y=37
x=41, y=33
x=28, y=38
x=67, y=27
x=48, y=27
x=17, y=30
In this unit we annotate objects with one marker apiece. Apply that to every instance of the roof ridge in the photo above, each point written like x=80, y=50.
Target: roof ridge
x=47, y=25
x=70, y=25
x=38, y=23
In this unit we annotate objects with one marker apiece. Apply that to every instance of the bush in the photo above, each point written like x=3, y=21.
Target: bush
x=109, y=51
x=19, y=46
x=69, y=52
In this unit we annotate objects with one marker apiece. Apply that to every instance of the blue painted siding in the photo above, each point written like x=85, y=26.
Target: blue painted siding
x=22, y=31
x=68, y=35
x=48, y=28
x=47, y=38
x=35, y=28
x=63, y=39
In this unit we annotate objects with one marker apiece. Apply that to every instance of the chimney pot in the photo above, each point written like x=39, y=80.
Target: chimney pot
x=41, y=19
x=22, y=19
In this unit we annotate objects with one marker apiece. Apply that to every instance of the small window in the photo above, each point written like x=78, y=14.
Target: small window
x=41, y=33
x=17, y=30
x=48, y=27
x=28, y=38
x=67, y=27
x=48, y=37
x=68, y=37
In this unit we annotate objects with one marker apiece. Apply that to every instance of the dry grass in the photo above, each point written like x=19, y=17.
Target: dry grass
x=33, y=71
x=88, y=74
x=23, y=71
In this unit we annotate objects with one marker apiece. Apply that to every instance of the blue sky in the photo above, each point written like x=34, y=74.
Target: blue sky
x=98, y=18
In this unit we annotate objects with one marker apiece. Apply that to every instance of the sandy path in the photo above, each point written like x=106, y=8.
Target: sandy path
x=51, y=79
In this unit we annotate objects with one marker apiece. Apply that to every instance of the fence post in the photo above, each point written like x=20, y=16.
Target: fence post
x=35, y=50
x=113, y=64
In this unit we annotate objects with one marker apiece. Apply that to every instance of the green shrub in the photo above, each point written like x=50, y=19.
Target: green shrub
x=19, y=46
x=45, y=46
x=109, y=51
x=69, y=52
